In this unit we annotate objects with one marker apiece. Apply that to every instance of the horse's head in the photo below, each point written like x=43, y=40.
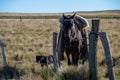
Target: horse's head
x=68, y=25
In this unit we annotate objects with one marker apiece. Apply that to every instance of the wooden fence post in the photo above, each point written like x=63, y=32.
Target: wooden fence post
x=87, y=34
x=20, y=18
x=60, y=53
x=108, y=54
x=55, y=52
x=3, y=53
x=93, y=36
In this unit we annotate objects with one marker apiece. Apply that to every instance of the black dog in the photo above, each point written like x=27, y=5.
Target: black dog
x=44, y=60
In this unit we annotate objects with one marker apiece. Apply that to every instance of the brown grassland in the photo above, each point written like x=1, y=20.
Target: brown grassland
x=30, y=37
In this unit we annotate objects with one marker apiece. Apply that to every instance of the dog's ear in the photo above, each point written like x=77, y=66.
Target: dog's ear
x=51, y=58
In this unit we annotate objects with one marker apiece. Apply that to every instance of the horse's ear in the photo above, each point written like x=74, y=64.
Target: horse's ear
x=73, y=15
x=64, y=16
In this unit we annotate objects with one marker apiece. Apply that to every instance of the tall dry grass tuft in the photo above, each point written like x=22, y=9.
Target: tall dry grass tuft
x=74, y=73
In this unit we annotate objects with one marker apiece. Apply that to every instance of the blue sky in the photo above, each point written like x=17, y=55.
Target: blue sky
x=54, y=6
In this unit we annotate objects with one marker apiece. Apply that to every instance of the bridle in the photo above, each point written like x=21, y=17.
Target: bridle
x=72, y=31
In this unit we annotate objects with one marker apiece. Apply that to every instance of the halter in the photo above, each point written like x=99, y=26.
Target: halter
x=73, y=32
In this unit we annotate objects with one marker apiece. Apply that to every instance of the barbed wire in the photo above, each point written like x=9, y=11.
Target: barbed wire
x=1, y=32
x=33, y=45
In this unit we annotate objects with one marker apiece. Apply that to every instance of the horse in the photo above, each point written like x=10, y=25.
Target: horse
x=72, y=39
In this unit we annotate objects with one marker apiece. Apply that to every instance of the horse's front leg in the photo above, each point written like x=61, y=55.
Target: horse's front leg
x=74, y=60
x=68, y=57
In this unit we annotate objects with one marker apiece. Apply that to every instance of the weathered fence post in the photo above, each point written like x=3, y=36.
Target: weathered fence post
x=108, y=54
x=60, y=53
x=20, y=18
x=93, y=36
x=3, y=53
x=87, y=36
x=55, y=52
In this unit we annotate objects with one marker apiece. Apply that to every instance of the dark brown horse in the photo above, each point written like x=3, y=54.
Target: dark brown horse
x=71, y=39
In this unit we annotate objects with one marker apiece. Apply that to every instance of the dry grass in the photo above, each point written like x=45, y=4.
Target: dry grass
x=24, y=40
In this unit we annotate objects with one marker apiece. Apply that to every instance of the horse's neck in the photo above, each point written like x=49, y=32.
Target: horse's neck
x=76, y=30
x=78, y=33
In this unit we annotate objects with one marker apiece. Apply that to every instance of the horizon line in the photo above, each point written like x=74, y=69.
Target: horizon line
x=64, y=12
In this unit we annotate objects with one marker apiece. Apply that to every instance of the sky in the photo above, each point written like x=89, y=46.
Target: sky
x=55, y=6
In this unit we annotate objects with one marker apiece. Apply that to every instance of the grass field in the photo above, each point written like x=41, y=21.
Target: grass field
x=30, y=37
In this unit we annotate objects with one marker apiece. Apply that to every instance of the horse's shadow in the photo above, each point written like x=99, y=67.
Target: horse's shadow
x=9, y=72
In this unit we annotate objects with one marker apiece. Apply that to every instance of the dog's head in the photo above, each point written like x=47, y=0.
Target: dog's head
x=50, y=59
